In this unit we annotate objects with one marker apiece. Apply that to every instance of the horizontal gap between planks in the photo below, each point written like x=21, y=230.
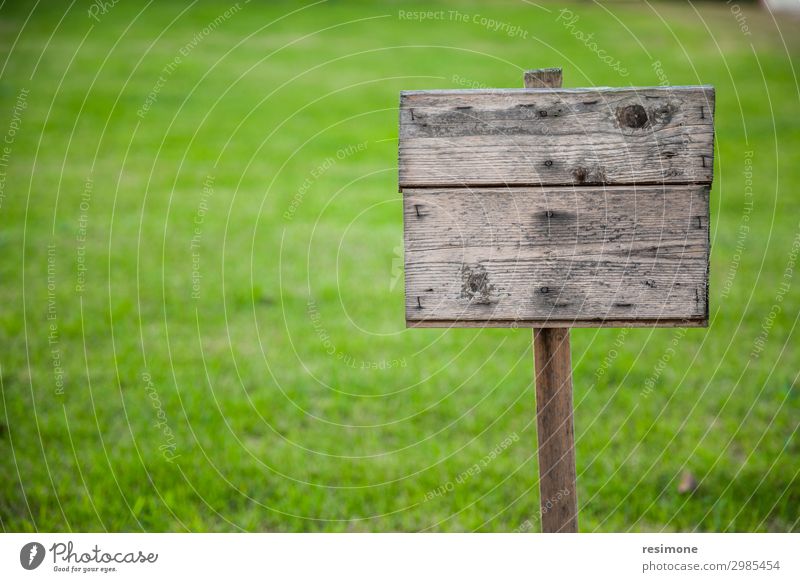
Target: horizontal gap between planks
x=574, y=186
x=559, y=323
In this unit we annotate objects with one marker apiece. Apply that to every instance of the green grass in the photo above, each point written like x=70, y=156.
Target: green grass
x=267, y=383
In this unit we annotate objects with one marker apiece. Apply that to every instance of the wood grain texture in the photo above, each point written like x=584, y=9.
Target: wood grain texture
x=546, y=136
x=555, y=432
x=540, y=257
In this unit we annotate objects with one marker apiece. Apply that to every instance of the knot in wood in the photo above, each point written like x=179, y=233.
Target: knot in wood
x=634, y=116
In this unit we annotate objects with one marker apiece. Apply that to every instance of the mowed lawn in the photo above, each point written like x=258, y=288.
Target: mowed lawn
x=202, y=323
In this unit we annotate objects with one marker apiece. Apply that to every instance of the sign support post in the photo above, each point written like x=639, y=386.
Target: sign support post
x=554, y=415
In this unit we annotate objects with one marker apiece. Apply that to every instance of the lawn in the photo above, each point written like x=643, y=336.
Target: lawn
x=202, y=323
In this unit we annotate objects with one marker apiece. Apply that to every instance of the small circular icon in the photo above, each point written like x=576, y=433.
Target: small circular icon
x=31, y=555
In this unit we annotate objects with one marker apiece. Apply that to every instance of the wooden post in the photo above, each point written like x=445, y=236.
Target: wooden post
x=557, y=476
x=557, y=479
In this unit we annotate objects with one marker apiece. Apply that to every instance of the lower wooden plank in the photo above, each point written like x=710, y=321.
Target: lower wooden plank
x=581, y=257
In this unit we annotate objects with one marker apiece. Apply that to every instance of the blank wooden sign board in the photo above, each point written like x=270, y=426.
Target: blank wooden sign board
x=553, y=208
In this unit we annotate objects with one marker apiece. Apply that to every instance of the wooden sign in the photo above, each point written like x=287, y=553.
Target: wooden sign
x=555, y=208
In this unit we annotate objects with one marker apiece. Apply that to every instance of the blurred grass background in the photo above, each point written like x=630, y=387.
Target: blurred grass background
x=237, y=357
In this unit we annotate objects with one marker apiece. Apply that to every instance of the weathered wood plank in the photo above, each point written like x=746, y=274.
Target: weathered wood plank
x=578, y=256
x=556, y=136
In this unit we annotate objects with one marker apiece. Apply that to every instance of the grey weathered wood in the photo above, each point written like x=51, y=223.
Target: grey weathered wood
x=545, y=257
x=541, y=78
x=556, y=136
x=554, y=411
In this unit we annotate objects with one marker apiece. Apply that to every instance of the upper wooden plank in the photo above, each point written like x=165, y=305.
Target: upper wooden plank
x=549, y=137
